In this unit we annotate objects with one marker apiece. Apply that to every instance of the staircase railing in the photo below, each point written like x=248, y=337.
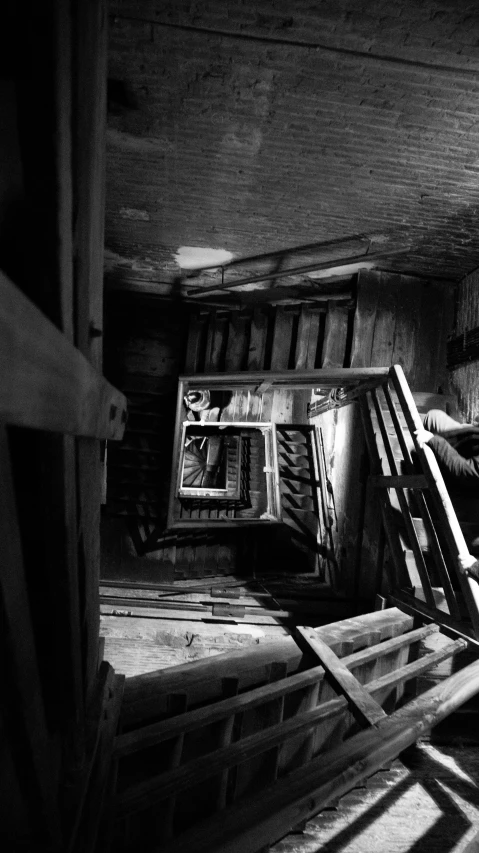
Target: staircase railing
x=446, y=541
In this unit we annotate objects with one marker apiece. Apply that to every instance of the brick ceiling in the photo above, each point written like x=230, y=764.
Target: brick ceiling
x=258, y=127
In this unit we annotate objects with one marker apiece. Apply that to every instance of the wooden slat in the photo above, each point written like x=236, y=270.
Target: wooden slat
x=283, y=328
x=424, y=510
x=410, y=529
x=365, y=318
x=237, y=345
x=335, y=336
x=390, y=528
x=385, y=325
x=302, y=794
x=23, y=706
x=362, y=705
x=257, y=343
x=47, y=383
x=216, y=342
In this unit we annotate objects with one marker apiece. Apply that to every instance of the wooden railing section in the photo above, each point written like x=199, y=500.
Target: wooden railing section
x=410, y=484
x=247, y=741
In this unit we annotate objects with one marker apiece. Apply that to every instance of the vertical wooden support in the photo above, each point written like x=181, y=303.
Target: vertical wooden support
x=307, y=340
x=90, y=24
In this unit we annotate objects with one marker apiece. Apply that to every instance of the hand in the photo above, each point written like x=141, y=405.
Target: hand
x=423, y=436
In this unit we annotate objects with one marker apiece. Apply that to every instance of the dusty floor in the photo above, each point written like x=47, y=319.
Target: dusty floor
x=426, y=803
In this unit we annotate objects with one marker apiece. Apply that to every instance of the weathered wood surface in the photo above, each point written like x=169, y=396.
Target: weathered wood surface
x=203, y=682
x=255, y=822
x=363, y=707
x=47, y=383
x=400, y=319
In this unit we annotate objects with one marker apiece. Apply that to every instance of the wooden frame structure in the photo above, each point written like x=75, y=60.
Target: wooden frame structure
x=244, y=748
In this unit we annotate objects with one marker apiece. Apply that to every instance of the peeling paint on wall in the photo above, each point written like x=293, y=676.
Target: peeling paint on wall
x=197, y=257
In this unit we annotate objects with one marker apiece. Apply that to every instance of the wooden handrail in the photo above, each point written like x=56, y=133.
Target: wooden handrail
x=451, y=528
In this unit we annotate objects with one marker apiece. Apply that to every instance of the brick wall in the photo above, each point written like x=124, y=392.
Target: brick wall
x=255, y=126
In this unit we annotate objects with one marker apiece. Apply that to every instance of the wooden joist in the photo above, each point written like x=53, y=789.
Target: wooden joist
x=47, y=383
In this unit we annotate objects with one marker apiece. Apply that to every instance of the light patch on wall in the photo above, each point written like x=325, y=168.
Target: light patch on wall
x=345, y=269
x=134, y=213
x=195, y=257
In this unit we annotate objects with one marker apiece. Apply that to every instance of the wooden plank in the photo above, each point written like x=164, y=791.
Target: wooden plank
x=408, y=310
x=363, y=706
x=47, y=383
x=283, y=329
x=307, y=341
x=22, y=702
x=403, y=505
x=257, y=821
x=369, y=285
x=216, y=342
x=257, y=343
x=385, y=326
x=335, y=336
x=237, y=345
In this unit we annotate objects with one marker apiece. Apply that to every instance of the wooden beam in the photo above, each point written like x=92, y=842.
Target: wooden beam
x=327, y=378
x=364, y=708
x=47, y=383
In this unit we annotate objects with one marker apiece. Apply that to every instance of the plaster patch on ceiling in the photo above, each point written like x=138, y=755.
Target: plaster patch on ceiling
x=196, y=257
x=345, y=269
x=134, y=213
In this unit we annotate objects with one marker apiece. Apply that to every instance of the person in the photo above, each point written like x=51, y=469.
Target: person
x=456, y=448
